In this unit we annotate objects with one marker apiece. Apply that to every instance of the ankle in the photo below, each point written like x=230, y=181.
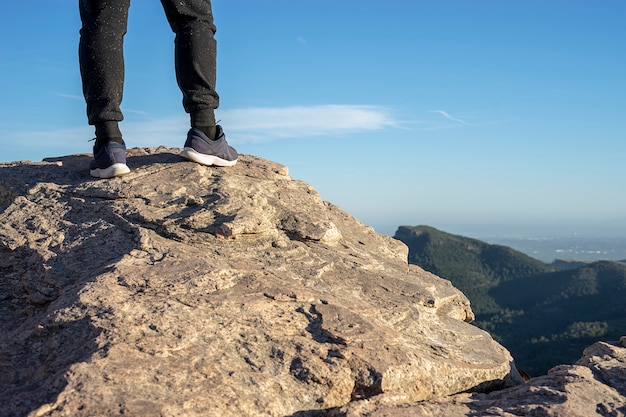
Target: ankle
x=209, y=131
x=204, y=120
x=100, y=142
x=108, y=129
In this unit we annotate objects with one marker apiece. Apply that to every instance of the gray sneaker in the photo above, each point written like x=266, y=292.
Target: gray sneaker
x=199, y=148
x=109, y=161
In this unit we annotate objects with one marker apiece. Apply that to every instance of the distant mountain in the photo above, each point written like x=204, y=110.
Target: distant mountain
x=475, y=267
x=562, y=264
x=568, y=264
x=545, y=314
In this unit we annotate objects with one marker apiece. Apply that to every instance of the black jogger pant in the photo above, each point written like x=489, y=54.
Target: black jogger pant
x=101, y=57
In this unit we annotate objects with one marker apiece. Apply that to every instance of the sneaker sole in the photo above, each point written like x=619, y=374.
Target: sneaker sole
x=114, y=170
x=195, y=156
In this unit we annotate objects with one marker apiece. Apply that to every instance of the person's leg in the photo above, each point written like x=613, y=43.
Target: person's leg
x=195, y=52
x=101, y=59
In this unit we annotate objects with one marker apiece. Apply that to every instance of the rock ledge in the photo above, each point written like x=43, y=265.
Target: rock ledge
x=183, y=290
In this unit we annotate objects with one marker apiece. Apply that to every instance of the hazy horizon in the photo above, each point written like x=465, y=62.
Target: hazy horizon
x=545, y=244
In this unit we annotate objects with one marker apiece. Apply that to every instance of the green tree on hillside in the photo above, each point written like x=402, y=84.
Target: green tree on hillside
x=544, y=316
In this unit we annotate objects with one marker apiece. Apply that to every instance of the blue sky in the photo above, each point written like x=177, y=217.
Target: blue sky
x=473, y=116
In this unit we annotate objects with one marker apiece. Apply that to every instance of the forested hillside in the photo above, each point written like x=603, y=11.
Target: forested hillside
x=544, y=316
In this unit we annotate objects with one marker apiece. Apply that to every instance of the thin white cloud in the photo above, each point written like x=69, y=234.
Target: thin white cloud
x=244, y=125
x=262, y=124
x=449, y=117
x=267, y=123
x=71, y=96
x=138, y=112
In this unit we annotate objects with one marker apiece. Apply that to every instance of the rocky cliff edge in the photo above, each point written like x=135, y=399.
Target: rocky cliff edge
x=183, y=290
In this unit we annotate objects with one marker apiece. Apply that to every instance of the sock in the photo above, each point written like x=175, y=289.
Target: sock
x=106, y=132
x=209, y=131
x=204, y=120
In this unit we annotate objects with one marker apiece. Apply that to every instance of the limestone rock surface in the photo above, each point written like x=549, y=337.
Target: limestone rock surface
x=183, y=290
x=594, y=386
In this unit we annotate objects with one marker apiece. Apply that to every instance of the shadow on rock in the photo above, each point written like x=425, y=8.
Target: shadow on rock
x=37, y=347
x=53, y=242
